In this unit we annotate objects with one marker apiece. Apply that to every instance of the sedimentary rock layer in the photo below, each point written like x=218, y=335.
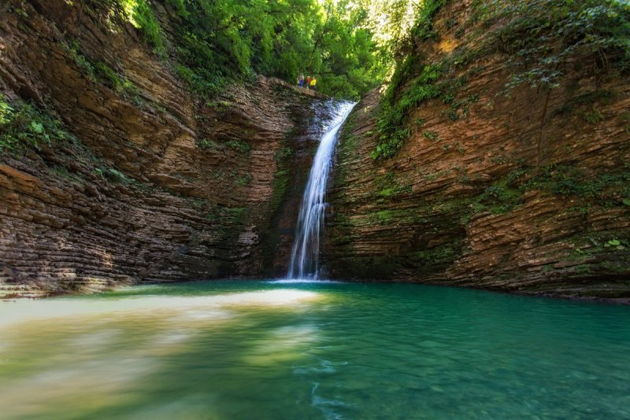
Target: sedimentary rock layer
x=523, y=190
x=152, y=183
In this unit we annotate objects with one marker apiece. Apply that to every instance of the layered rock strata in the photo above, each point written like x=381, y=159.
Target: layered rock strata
x=143, y=181
x=518, y=191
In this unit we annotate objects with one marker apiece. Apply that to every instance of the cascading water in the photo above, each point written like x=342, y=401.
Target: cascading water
x=305, y=253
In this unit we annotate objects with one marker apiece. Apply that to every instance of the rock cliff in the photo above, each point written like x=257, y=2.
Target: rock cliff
x=112, y=172
x=495, y=186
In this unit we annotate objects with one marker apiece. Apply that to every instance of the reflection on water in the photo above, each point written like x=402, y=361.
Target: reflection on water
x=243, y=350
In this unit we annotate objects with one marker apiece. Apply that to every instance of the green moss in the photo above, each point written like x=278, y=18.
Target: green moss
x=593, y=116
x=243, y=180
x=239, y=146
x=388, y=187
x=114, y=175
x=115, y=80
x=348, y=145
x=384, y=216
x=431, y=135
x=283, y=157
x=430, y=260
x=208, y=144
x=227, y=217
x=590, y=245
x=100, y=72
x=500, y=197
x=607, y=189
x=234, y=144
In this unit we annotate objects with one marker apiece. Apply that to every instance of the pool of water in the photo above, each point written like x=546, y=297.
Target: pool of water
x=263, y=350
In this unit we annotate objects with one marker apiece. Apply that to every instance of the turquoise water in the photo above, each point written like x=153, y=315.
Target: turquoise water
x=259, y=350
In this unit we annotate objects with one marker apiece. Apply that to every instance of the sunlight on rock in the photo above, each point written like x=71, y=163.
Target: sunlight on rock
x=448, y=44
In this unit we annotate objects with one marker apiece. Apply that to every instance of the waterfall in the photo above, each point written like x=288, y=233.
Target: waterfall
x=305, y=252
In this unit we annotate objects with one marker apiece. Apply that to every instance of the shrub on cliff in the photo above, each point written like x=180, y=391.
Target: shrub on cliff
x=541, y=40
x=23, y=124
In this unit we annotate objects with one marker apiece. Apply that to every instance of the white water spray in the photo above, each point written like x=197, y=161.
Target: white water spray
x=305, y=253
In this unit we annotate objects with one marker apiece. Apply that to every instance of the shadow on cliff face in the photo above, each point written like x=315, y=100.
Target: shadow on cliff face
x=126, y=176
x=491, y=183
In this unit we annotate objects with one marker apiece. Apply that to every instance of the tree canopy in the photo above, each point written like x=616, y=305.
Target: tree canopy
x=346, y=44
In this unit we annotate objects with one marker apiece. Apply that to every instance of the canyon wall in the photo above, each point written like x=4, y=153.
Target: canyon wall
x=112, y=172
x=516, y=189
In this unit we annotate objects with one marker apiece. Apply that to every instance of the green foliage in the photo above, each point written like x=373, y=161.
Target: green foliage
x=615, y=243
x=81, y=61
x=98, y=71
x=498, y=198
x=143, y=17
x=207, y=144
x=596, y=244
x=547, y=36
x=392, y=122
x=140, y=14
x=239, y=146
x=608, y=190
x=541, y=39
x=113, y=175
x=388, y=187
x=23, y=125
x=431, y=135
x=423, y=28
x=218, y=41
x=243, y=180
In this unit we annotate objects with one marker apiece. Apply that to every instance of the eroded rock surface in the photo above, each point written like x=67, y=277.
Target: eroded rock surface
x=519, y=191
x=155, y=184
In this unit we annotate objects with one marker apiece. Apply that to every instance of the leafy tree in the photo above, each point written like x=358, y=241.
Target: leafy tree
x=217, y=41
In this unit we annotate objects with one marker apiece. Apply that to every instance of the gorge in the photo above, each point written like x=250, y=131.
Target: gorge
x=186, y=232
x=123, y=175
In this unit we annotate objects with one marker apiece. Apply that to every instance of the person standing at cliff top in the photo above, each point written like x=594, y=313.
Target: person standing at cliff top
x=300, y=81
x=308, y=82
x=313, y=83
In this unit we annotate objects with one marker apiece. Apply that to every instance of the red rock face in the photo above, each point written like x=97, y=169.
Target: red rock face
x=522, y=192
x=158, y=185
